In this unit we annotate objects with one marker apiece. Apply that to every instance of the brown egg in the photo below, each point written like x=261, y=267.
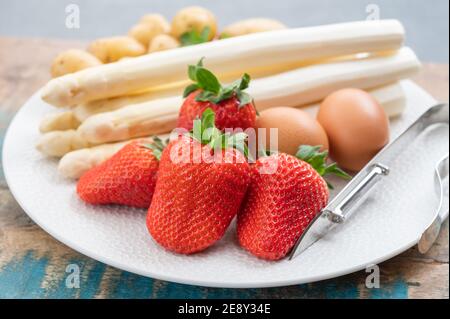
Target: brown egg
x=295, y=128
x=356, y=125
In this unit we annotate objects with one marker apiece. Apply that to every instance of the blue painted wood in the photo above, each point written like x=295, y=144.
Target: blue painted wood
x=21, y=278
x=24, y=277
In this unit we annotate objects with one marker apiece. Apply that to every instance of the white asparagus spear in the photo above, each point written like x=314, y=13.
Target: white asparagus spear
x=156, y=117
x=83, y=111
x=71, y=119
x=60, y=121
x=311, y=84
x=225, y=57
x=76, y=163
x=392, y=98
x=58, y=143
x=294, y=88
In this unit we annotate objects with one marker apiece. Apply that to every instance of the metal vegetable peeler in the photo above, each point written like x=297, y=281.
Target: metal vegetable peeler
x=340, y=207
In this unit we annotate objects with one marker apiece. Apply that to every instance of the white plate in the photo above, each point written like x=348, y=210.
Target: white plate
x=118, y=236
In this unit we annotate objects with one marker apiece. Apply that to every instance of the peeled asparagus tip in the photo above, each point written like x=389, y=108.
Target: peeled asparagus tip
x=60, y=121
x=72, y=165
x=61, y=91
x=55, y=143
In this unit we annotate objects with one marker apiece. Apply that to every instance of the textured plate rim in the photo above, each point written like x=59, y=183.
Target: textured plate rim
x=182, y=280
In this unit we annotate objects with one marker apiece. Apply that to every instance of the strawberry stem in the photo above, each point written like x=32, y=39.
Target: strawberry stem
x=205, y=131
x=318, y=160
x=157, y=146
x=212, y=90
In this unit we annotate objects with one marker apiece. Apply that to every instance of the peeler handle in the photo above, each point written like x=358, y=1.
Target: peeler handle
x=338, y=210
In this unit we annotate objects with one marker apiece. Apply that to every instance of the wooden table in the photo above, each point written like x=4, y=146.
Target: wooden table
x=33, y=264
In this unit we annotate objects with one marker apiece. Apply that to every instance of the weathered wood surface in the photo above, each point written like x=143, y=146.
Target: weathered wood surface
x=33, y=264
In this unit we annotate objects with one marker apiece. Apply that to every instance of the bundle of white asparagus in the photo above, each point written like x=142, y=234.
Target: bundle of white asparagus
x=140, y=97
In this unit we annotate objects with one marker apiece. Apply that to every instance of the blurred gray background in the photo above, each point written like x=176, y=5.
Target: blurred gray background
x=426, y=21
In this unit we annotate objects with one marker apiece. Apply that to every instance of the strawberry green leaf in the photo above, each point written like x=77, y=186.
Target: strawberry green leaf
x=239, y=142
x=189, y=89
x=317, y=159
x=205, y=96
x=194, y=37
x=207, y=80
x=244, y=82
x=211, y=89
x=203, y=128
x=335, y=170
x=192, y=70
x=157, y=146
x=208, y=118
x=204, y=35
x=197, y=129
x=205, y=131
x=306, y=152
x=210, y=132
x=330, y=186
x=216, y=139
x=244, y=98
x=318, y=162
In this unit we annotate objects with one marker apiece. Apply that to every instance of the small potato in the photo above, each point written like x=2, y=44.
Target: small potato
x=71, y=61
x=149, y=27
x=157, y=20
x=163, y=42
x=251, y=26
x=194, y=19
x=114, y=48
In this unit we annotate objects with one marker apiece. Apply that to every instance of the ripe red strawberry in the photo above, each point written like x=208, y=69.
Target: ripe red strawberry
x=232, y=106
x=127, y=178
x=197, y=193
x=281, y=203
